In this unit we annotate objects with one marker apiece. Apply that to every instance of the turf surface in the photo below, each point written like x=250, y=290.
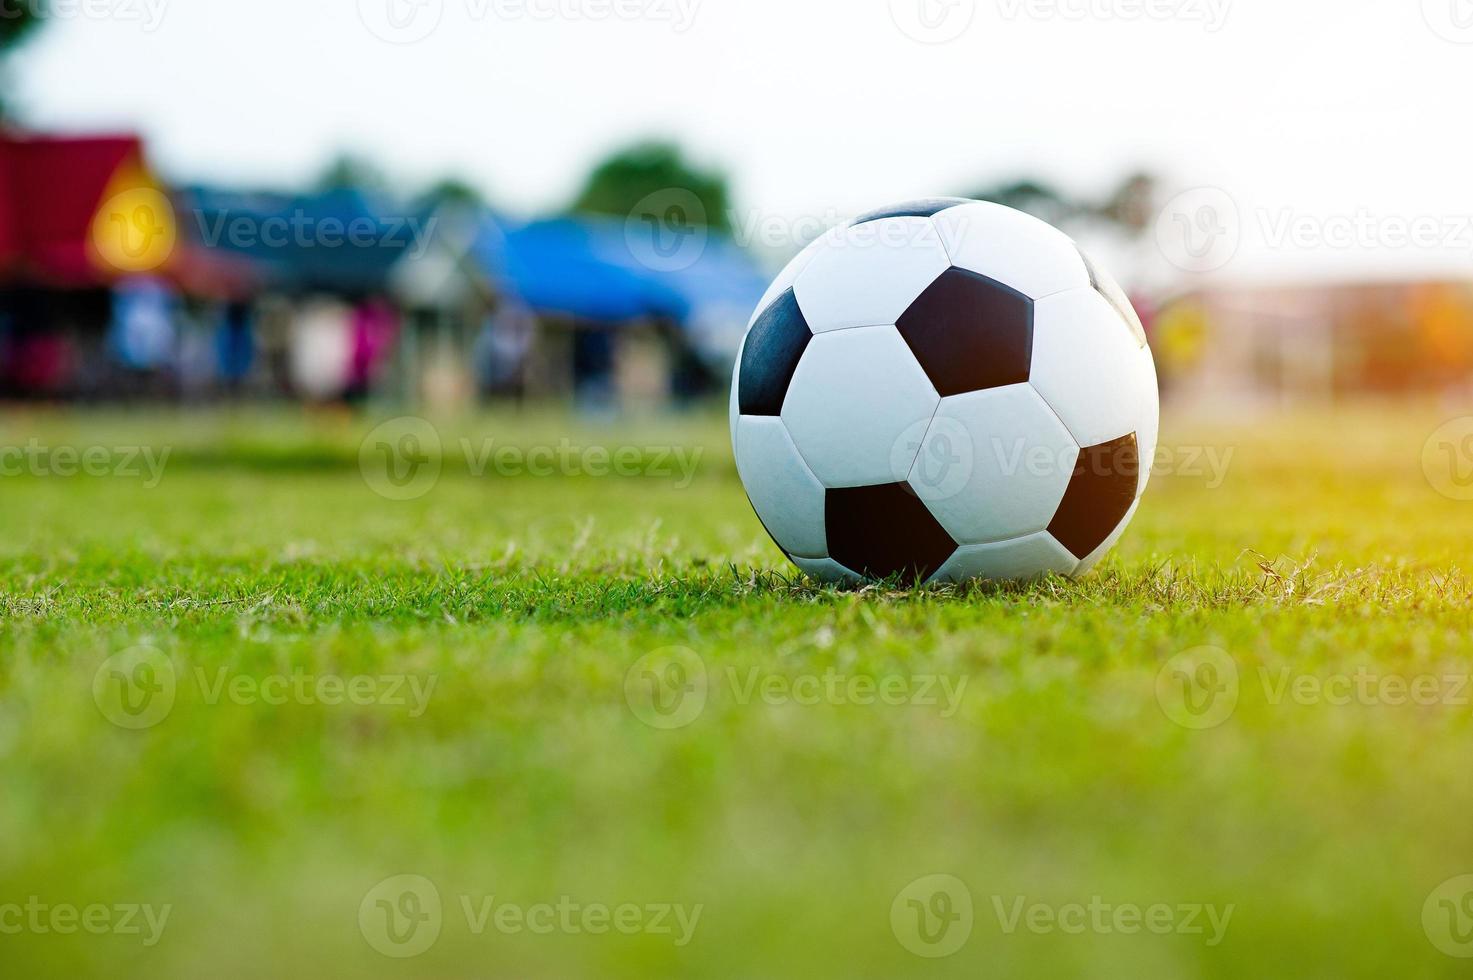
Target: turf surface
x=618, y=738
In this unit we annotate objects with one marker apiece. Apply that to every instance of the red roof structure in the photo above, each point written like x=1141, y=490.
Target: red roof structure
x=51, y=190
x=10, y=241
x=55, y=193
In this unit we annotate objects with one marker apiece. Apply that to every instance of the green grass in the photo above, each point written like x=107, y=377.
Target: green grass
x=1054, y=772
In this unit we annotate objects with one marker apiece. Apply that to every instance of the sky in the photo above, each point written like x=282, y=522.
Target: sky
x=1325, y=136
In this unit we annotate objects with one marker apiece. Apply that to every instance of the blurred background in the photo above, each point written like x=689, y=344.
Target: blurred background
x=438, y=204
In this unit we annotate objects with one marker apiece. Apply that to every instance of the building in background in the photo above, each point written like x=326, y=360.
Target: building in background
x=1273, y=345
x=94, y=280
x=112, y=287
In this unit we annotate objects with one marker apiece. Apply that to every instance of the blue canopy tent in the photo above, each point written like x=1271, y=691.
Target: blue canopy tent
x=582, y=268
x=720, y=290
x=571, y=267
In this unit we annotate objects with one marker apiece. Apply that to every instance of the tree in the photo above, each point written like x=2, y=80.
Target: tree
x=655, y=174
x=452, y=191
x=18, y=18
x=351, y=172
x=1129, y=207
x=1133, y=204
x=1035, y=197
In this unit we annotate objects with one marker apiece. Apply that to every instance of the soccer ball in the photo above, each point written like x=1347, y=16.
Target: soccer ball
x=944, y=390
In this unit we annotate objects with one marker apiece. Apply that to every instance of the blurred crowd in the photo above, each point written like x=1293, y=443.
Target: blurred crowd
x=114, y=286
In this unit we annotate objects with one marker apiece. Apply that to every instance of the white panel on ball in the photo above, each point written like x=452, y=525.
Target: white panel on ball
x=869, y=274
x=827, y=570
x=855, y=395
x=1111, y=289
x=1013, y=248
x=1088, y=368
x=994, y=464
x=734, y=409
x=786, y=278
x=784, y=492
x=1017, y=560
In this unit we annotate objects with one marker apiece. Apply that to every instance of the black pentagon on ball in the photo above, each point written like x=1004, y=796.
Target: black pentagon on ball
x=1100, y=494
x=970, y=333
x=924, y=208
x=886, y=530
x=774, y=346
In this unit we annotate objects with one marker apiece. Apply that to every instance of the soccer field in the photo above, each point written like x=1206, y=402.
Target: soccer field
x=606, y=733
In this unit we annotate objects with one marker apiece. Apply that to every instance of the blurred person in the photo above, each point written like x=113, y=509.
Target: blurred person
x=143, y=333
x=235, y=345
x=272, y=320
x=7, y=338
x=691, y=378
x=37, y=356
x=501, y=349
x=42, y=364
x=321, y=349
x=374, y=330
x=593, y=369
x=196, y=361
